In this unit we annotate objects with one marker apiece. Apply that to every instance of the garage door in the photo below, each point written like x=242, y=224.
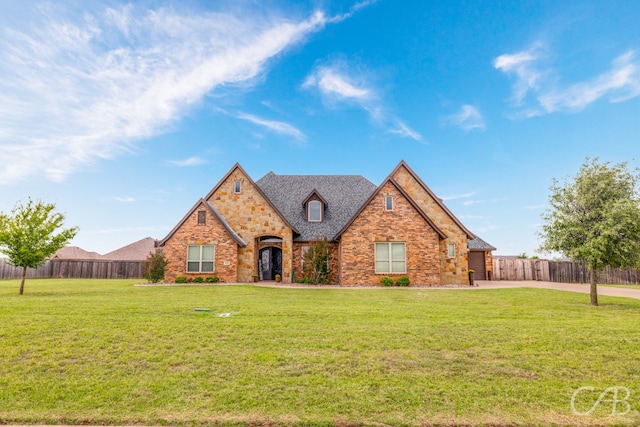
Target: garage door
x=476, y=263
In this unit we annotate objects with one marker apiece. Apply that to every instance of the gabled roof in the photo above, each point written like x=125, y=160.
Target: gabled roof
x=136, y=251
x=436, y=199
x=478, y=244
x=258, y=189
x=209, y=206
x=314, y=195
x=75, y=252
x=343, y=196
x=405, y=195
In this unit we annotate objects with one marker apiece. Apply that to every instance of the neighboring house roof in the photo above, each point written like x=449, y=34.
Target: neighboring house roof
x=342, y=194
x=136, y=251
x=213, y=210
x=406, y=196
x=74, y=252
x=478, y=244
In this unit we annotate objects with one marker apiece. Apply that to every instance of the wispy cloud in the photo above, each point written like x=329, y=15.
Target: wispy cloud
x=191, y=161
x=119, y=230
x=124, y=199
x=274, y=126
x=468, y=118
x=76, y=88
x=459, y=196
x=620, y=83
x=342, y=82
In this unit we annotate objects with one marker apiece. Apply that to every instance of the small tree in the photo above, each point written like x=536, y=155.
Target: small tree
x=28, y=236
x=594, y=218
x=316, y=262
x=154, y=266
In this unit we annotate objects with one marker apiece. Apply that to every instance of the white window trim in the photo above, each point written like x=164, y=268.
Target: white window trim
x=200, y=260
x=451, y=250
x=309, y=211
x=388, y=199
x=390, y=260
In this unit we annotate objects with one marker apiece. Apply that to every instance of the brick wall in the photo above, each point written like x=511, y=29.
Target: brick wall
x=402, y=224
x=249, y=214
x=452, y=270
x=211, y=233
x=298, y=258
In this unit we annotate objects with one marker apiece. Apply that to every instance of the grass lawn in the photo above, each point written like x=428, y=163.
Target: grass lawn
x=106, y=352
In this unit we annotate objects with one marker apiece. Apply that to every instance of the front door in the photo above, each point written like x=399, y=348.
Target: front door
x=270, y=263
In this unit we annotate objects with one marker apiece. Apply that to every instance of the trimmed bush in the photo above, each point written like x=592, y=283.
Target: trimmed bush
x=212, y=279
x=198, y=280
x=181, y=279
x=303, y=280
x=386, y=281
x=403, y=281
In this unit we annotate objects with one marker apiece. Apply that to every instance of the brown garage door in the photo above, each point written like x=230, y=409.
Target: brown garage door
x=476, y=263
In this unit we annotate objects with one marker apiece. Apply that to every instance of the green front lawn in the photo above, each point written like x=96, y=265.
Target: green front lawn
x=89, y=351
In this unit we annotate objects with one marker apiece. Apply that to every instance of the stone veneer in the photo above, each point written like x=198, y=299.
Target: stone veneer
x=192, y=233
x=251, y=217
x=452, y=270
x=402, y=224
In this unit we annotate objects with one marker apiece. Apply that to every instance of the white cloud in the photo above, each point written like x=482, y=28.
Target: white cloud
x=620, y=83
x=459, y=196
x=341, y=82
x=77, y=89
x=523, y=65
x=467, y=118
x=275, y=126
x=191, y=161
x=124, y=199
x=405, y=131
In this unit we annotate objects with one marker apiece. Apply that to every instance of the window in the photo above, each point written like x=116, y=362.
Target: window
x=200, y=258
x=452, y=250
x=388, y=203
x=391, y=257
x=202, y=217
x=236, y=187
x=314, y=211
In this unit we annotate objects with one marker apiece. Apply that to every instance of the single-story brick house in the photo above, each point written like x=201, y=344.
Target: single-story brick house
x=244, y=228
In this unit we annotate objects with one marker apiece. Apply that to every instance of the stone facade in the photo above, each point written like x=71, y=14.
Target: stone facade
x=212, y=232
x=453, y=270
x=252, y=217
x=401, y=224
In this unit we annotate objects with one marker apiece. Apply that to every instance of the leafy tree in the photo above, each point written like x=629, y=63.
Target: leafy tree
x=28, y=236
x=594, y=218
x=316, y=262
x=154, y=266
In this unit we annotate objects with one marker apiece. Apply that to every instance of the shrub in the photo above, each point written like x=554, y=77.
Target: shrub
x=386, y=281
x=181, y=279
x=154, y=266
x=198, y=280
x=212, y=279
x=403, y=281
x=303, y=280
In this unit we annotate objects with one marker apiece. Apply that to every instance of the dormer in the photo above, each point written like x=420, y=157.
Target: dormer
x=314, y=206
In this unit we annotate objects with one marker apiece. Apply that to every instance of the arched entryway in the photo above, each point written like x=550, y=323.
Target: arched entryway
x=269, y=263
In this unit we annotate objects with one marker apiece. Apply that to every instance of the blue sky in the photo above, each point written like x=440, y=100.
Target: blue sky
x=125, y=114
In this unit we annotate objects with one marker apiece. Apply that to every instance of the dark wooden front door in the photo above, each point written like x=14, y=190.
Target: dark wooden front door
x=270, y=263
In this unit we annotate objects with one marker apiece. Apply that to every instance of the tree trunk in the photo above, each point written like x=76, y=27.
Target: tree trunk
x=24, y=275
x=594, y=286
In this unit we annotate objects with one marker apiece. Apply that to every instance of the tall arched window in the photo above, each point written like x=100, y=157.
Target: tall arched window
x=314, y=211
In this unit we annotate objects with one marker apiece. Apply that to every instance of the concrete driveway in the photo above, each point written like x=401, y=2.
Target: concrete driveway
x=571, y=287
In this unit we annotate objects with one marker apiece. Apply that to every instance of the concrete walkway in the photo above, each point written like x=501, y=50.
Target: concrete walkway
x=571, y=287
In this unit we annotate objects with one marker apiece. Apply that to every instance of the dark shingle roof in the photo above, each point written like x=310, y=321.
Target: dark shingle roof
x=478, y=244
x=344, y=195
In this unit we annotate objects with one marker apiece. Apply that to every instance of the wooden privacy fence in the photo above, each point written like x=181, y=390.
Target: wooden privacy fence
x=77, y=269
x=557, y=271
